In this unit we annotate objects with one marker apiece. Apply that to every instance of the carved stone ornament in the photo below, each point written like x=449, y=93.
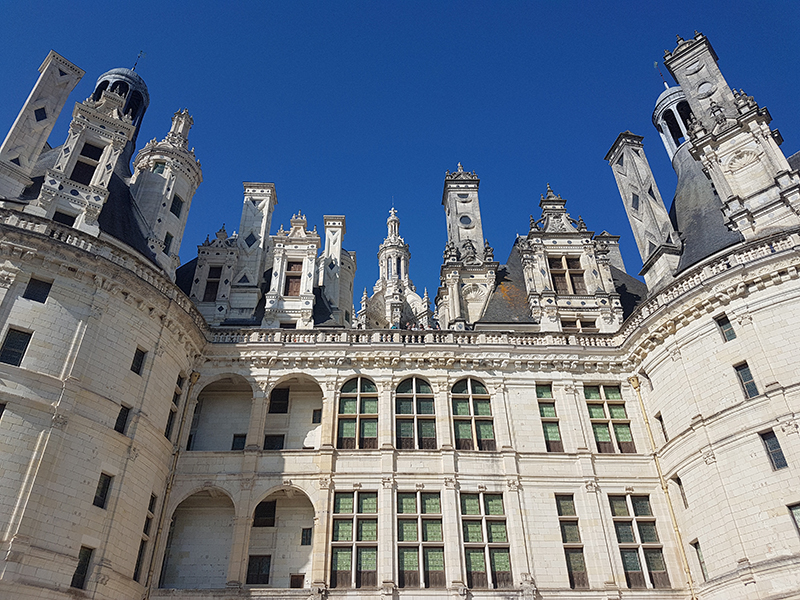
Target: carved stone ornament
x=790, y=427
x=709, y=457
x=60, y=421
x=325, y=483
x=386, y=482
x=513, y=484
x=591, y=486
x=7, y=277
x=450, y=483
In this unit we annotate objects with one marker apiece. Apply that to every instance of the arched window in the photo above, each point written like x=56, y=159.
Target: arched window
x=415, y=424
x=358, y=415
x=472, y=416
x=685, y=113
x=99, y=91
x=120, y=87
x=135, y=105
x=674, y=128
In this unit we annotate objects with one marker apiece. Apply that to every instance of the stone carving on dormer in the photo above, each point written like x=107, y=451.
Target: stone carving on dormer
x=451, y=253
x=469, y=254
x=488, y=252
x=460, y=174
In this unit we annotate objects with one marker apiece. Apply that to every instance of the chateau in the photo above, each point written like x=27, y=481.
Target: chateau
x=546, y=427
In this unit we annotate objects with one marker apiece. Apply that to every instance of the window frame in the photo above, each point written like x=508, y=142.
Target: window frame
x=360, y=416
x=608, y=421
x=82, y=568
x=476, y=443
x=213, y=280
x=255, y=569
x=12, y=351
x=421, y=517
x=121, y=424
x=37, y=290
x=103, y=490
x=632, y=522
x=777, y=458
x=577, y=579
x=355, y=578
x=545, y=398
x=748, y=385
x=415, y=417
x=486, y=546
x=725, y=328
x=139, y=358
x=568, y=274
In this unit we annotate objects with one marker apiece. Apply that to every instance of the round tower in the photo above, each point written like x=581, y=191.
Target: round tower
x=393, y=254
x=128, y=84
x=671, y=117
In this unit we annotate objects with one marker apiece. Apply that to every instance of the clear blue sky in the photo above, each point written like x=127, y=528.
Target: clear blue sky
x=346, y=105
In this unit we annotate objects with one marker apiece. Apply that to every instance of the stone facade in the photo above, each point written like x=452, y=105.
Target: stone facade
x=554, y=429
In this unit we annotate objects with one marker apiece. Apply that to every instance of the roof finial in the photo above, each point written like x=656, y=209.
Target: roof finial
x=655, y=66
x=460, y=168
x=141, y=55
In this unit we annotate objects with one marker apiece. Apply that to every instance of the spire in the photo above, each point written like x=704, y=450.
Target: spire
x=393, y=225
x=179, y=132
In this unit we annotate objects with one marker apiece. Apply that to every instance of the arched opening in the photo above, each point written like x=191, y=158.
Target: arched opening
x=120, y=88
x=674, y=128
x=199, y=542
x=222, y=416
x=279, y=555
x=135, y=104
x=685, y=113
x=294, y=415
x=103, y=85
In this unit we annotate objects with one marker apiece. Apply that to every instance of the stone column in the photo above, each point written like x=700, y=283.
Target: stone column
x=258, y=416
x=321, y=538
x=386, y=547
x=237, y=565
x=515, y=525
x=451, y=530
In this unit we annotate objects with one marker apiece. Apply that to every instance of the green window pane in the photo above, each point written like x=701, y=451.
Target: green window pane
x=342, y=530
x=565, y=506
x=630, y=560
x=551, y=432
x=479, y=388
x=612, y=392
x=460, y=387
x=430, y=503
x=427, y=428
x=617, y=411
x=591, y=392
x=368, y=386
x=597, y=411
x=423, y=387
x=476, y=561
x=408, y=559
x=623, y=432
x=544, y=391
x=641, y=506
x=431, y=530
x=404, y=406
x=601, y=433
x=368, y=502
x=463, y=430
x=347, y=428
x=460, y=407
x=405, y=386
x=575, y=562
x=570, y=533
x=407, y=503
x=501, y=559
x=647, y=532
x=351, y=387
x=434, y=559
x=424, y=406
x=655, y=560
x=369, y=406
x=369, y=428
x=624, y=531
x=342, y=559
x=493, y=504
x=496, y=531
x=405, y=428
x=367, y=559
x=472, y=531
x=547, y=410
x=619, y=507
x=485, y=430
x=367, y=530
x=795, y=510
x=482, y=408
x=347, y=405
x=343, y=502
x=407, y=530
x=470, y=504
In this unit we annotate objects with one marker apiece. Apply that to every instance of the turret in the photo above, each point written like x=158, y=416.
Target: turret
x=166, y=176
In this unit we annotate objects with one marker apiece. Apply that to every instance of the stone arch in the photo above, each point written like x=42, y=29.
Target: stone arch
x=221, y=414
x=281, y=539
x=294, y=411
x=199, y=541
x=103, y=85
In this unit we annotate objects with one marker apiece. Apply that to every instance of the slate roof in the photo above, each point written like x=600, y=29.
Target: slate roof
x=794, y=161
x=509, y=300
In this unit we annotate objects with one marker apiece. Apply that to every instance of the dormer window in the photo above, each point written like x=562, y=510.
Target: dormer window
x=84, y=169
x=212, y=284
x=567, y=275
x=294, y=272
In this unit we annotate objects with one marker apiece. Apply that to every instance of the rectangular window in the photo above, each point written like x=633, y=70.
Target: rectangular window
x=159, y=167
x=677, y=481
x=316, y=415
x=660, y=420
x=170, y=424
x=419, y=534
x=481, y=513
x=297, y=581
x=279, y=401
x=122, y=419
x=358, y=415
x=774, y=450
x=567, y=275
x=547, y=412
x=37, y=290
x=635, y=528
x=176, y=208
x=64, y=219
x=794, y=511
x=148, y=520
x=273, y=442
x=138, y=361
x=258, y=569
x=14, y=347
x=82, y=569
x=292, y=285
x=167, y=243
x=212, y=284
x=264, y=515
x=725, y=328
x=699, y=553
x=746, y=380
x=102, y=491
x=305, y=536
x=571, y=538
x=472, y=411
x=352, y=510
x=415, y=427
x=239, y=440
x=607, y=413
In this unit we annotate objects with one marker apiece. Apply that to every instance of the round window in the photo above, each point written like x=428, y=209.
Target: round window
x=465, y=220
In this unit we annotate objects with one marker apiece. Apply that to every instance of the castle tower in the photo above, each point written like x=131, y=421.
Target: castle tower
x=100, y=138
x=731, y=138
x=658, y=243
x=28, y=135
x=166, y=176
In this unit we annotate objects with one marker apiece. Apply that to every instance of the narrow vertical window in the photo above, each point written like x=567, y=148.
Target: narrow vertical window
x=420, y=540
x=699, y=553
x=354, y=537
x=415, y=426
x=82, y=569
x=14, y=346
x=547, y=412
x=305, y=536
x=746, y=380
x=635, y=527
x=37, y=290
x=102, y=491
x=725, y=328
x=774, y=450
x=279, y=401
x=176, y=208
x=212, y=284
x=358, y=415
x=608, y=413
x=122, y=419
x=679, y=484
x=660, y=420
x=294, y=277
x=138, y=361
x=148, y=521
x=472, y=416
x=794, y=511
x=571, y=538
x=486, y=548
x=168, y=243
